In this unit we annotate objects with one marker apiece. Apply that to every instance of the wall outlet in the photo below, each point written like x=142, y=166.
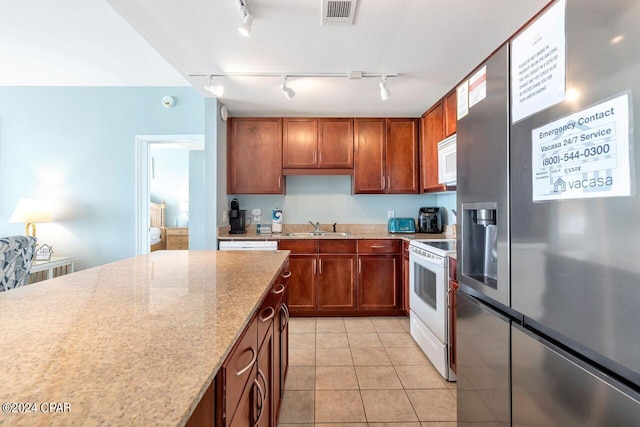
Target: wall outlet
x=224, y=216
x=391, y=214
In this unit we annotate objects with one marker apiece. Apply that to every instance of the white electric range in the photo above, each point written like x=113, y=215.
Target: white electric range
x=428, y=300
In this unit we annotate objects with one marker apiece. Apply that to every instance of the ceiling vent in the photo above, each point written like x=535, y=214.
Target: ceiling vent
x=338, y=12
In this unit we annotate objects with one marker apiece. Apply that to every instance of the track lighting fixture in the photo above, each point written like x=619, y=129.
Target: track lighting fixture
x=384, y=91
x=215, y=90
x=247, y=19
x=288, y=92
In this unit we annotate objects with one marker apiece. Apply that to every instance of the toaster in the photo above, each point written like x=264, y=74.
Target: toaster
x=401, y=225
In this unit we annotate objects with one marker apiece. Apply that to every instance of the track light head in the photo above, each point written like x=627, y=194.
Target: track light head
x=247, y=20
x=288, y=92
x=217, y=91
x=385, y=93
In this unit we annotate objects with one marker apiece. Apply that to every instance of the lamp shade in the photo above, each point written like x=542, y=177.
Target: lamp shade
x=31, y=211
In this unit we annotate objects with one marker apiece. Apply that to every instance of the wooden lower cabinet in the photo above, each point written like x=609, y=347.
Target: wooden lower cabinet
x=379, y=282
x=303, y=286
x=250, y=384
x=337, y=282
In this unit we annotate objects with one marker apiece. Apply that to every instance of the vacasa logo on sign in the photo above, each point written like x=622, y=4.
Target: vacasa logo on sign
x=601, y=181
x=559, y=186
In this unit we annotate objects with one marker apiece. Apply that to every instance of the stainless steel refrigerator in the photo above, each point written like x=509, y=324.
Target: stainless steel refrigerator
x=549, y=240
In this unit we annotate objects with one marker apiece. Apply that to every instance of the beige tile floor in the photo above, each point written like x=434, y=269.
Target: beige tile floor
x=362, y=371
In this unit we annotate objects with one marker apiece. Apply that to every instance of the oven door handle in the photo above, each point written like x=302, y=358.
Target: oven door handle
x=419, y=258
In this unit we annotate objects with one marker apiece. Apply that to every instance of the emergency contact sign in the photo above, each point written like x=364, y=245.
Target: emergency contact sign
x=583, y=155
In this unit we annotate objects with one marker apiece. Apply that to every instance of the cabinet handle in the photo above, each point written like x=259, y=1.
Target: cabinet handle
x=320, y=264
x=388, y=182
x=264, y=381
x=359, y=265
x=269, y=317
x=382, y=180
x=286, y=275
x=314, y=266
x=260, y=406
x=278, y=292
x=377, y=246
x=279, y=182
x=253, y=360
x=320, y=162
x=285, y=310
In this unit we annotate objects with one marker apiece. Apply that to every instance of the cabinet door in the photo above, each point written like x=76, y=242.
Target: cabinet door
x=369, y=163
x=264, y=384
x=402, y=156
x=378, y=282
x=337, y=282
x=303, y=283
x=335, y=143
x=255, y=156
x=299, y=143
x=432, y=133
x=450, y=114
x=245, y=415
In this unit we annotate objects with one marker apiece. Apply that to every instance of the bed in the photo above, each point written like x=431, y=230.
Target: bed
x=157, y=229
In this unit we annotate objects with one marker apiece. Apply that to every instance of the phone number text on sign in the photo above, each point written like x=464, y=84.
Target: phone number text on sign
x=583, y=155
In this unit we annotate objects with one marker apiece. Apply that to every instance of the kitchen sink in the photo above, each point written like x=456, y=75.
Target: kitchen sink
x=317, y=234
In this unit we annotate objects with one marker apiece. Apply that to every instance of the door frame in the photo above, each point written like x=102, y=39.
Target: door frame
x=142, y=191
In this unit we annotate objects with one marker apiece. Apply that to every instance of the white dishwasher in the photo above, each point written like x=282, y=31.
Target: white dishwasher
x=246, y=245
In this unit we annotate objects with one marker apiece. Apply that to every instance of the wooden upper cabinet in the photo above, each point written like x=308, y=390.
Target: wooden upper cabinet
x=299, y=143
x=335, y=143
x=450, y=114
x=432, y=133
x=369, y=150
x=254, y=156
x=402, y=156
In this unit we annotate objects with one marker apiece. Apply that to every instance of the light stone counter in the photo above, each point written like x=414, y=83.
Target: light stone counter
x=134, y=342
x=357, y=231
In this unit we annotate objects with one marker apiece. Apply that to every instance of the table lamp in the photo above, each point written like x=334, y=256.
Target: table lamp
x=31, y=211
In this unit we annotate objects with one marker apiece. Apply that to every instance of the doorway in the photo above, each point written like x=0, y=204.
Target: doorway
x=186, y=210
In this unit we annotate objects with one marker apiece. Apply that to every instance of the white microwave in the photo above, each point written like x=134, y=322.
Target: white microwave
x=447, y=161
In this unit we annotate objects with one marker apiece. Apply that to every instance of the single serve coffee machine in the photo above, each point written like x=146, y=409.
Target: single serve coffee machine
x=237, y=218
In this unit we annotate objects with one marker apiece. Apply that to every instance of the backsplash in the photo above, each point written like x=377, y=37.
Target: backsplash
x=328, y=199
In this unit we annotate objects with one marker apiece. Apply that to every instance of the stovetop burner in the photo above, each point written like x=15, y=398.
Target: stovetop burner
x=440, y=247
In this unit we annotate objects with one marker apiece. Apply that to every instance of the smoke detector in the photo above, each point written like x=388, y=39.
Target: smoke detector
x=338, y=12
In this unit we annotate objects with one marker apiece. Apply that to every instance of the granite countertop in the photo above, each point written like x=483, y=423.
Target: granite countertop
x=134, y=342
x=357, y=231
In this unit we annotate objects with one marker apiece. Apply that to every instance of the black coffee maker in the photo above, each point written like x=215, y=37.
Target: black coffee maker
x=237, y=218
x=430, y=220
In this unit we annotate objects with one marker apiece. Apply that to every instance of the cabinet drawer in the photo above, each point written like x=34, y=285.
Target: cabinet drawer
x=177, y=240
x=266, y=314
x=379, y=246
x=299, y=246
x=337, y=246
x=178, y=231
x=238, y=367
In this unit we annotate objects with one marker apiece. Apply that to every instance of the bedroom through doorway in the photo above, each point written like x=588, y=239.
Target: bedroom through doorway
x=169, y=193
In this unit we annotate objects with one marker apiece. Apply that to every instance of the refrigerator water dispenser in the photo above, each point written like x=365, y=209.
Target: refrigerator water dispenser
x=480, y=242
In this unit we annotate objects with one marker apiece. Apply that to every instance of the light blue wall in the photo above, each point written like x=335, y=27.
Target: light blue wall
x=196, y=199
x=448, y=202
x=328, y=199
x=75, y=147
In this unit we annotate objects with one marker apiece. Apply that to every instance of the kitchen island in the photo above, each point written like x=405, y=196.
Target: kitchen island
x=134, y=342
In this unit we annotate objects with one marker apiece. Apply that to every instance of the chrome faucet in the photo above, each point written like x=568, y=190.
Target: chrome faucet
x=317, y=226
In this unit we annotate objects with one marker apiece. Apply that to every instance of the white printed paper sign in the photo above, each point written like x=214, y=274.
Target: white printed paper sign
x=538, y=64
x=462, y=101
x=583, y=155
x=478, y=86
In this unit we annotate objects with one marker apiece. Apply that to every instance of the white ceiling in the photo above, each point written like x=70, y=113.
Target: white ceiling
x=431, y=44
